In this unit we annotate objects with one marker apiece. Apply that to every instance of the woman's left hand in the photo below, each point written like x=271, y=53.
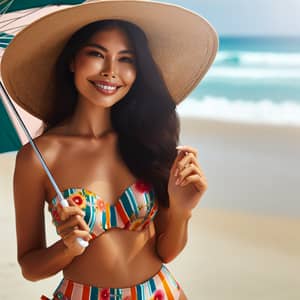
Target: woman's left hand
x=187, y=182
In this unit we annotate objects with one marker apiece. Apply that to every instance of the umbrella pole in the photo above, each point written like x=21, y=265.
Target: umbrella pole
x=62, y=200
x=35, y=148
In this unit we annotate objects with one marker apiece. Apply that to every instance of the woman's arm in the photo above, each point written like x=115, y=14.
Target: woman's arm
x=186, y=186
x=172, y=233
x=36, y=260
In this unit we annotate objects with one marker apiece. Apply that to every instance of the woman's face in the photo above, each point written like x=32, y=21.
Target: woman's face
x=104, y=69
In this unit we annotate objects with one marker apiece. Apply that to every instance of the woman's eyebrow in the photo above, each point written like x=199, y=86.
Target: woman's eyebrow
x=129, y=51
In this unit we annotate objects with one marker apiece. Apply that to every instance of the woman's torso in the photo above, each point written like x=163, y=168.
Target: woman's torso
x=118, y=257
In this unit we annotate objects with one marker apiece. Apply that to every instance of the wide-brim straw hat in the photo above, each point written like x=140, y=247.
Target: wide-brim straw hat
x=183, y=45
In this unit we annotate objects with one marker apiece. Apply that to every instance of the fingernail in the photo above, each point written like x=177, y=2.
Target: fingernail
x=180, y=147
x=177, y=181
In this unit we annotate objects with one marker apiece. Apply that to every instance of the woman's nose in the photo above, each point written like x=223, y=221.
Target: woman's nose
x=108, y=70
x=108, y=74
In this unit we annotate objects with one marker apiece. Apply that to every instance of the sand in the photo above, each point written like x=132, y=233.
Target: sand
x=252, y=168
x=244, y=240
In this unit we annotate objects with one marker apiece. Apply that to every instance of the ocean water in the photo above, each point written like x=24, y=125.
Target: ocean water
x=253, y=79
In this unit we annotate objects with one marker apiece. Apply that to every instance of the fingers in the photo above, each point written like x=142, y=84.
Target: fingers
x=71, y=226
x=66, y=212
x=189, y=158
x=186, y=157
x=199, y=182
x=179, y=156
x=71, y=238
x=183, y=154
x=188, y=149
x=188, y=169
x=74, y=222
x=71, y=241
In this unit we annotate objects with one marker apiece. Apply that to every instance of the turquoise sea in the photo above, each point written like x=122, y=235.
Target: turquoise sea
x=253, y=79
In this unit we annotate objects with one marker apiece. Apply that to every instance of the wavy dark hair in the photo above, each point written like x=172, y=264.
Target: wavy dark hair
x=145, y=119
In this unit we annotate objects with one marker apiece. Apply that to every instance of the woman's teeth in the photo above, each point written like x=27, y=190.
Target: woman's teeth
x=106, y=87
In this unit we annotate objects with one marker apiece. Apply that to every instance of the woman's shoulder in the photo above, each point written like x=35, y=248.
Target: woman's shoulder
x=27, y=162
x=48, y=144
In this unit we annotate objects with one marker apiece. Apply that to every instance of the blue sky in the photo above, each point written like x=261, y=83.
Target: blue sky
x=249, y=17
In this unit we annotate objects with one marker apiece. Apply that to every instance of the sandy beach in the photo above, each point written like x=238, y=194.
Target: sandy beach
x=244, y=240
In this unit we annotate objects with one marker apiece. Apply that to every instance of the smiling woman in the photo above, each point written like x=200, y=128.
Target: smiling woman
x=111, y=130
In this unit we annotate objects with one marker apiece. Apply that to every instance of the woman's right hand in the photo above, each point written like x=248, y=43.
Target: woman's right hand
x=71, y=226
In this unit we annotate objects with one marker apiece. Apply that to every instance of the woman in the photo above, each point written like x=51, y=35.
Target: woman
x=110, y=142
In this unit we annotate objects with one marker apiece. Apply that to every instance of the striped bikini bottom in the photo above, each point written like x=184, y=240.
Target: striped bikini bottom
x=162, y=286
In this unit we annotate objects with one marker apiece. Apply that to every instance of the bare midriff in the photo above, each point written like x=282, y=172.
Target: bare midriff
x=117, y=259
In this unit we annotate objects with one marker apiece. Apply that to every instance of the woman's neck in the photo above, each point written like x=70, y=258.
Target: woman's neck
x=89, y=120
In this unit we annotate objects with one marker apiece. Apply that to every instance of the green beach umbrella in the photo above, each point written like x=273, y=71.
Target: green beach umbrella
x=5, y=39
x=9, y=138
x=7, y=6
x=14, y=16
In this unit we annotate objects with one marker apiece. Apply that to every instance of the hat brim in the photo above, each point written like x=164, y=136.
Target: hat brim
x=183, y=45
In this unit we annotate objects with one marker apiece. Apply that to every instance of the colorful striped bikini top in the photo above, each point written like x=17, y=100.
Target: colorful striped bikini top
x=134, y=210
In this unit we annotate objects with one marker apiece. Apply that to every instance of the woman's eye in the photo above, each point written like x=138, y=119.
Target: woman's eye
x=127, y=59
x=95, y=53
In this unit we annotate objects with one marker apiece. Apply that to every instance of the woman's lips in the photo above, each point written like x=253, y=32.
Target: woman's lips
x=106, y=88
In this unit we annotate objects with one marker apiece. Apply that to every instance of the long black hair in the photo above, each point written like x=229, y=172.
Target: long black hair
x=145, y=120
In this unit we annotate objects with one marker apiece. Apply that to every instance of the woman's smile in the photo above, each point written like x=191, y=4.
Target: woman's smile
x=106, y=88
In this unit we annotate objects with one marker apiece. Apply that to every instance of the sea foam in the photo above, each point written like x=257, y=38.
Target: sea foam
x=262, y=112
x=262, y=59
